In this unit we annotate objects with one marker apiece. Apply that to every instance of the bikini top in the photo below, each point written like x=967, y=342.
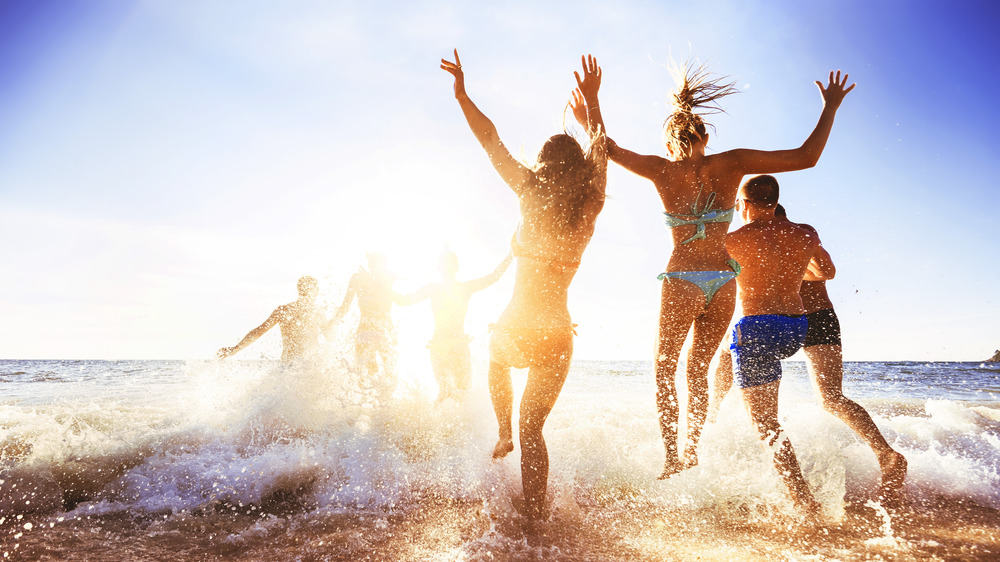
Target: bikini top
x=559, y=265
x=701, y=218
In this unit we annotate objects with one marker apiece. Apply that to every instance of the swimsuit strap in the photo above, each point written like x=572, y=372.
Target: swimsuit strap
x=561, y=265
x=701, y=217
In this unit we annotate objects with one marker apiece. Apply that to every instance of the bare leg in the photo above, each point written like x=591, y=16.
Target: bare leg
x=387, y=383
x=722, y=379
x=826, y=367
x=502, y=395
x=540, y=394
x=680, y=303
x=709, y=329
x=762, y=406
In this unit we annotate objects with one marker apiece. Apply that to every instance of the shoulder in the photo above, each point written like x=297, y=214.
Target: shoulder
x=808, y=227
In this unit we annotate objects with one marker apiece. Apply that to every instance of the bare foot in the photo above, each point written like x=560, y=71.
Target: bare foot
x=690, y=459
x=893, y=467
x=503, y=447
x=531, y=511
x=670, y=468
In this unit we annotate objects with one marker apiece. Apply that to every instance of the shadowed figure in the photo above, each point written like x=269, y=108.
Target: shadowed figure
x=824, y=361
x=300, y=323
x=698, y=191
x=449, y=347
x=560, y=198
x=375, y=337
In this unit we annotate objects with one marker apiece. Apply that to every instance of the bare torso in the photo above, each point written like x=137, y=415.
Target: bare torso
x=774, y=255
x=300, y=324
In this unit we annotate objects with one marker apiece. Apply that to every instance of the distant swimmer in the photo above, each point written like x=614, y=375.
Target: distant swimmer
x=698, y=191
x=449, y=347
x=824, y=360
x=775, y=255
x=560, y=198
x=300, y=323
x=375, y=338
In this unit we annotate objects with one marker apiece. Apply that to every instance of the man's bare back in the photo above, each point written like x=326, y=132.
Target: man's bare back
x=300, y=323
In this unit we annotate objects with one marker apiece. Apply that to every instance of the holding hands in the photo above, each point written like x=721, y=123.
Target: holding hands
x=835, y=91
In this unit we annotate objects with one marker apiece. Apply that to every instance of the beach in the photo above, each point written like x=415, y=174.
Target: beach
x=252, y=460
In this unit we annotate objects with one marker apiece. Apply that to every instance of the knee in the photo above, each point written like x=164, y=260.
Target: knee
x=835, y=403
x=529, y=430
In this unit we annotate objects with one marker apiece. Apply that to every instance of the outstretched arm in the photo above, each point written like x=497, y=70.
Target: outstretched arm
x=487, y=280
x=345, y=305
x=512, y=171
x=647, y=166
x=253, y=335
x=414, y=297
x=805, y=156
x=586, y=107
x=587, y=111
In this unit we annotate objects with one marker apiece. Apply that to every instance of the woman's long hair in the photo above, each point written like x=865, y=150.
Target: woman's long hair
x=697, y=94
x=566, y=178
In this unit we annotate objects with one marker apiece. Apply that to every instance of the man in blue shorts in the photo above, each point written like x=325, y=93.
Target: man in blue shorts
x=774, y=256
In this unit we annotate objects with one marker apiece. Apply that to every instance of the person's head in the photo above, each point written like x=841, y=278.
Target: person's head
x=759, y=192
x=697, y=93
x=308, y=287
x=560, y=153
x=448, y=263
x=564, y=177
x=376, y=262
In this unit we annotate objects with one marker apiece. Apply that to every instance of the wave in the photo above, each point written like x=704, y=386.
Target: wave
x=259, y=441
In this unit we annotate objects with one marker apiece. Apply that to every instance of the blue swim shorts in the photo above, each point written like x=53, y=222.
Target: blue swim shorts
x=760, y=342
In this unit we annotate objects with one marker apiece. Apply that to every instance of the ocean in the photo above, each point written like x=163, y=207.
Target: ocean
x=252, y=460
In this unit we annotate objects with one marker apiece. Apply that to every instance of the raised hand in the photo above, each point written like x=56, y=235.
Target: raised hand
x=591, y=81
x=835, y=91
x=579, y=107
x=455, y=69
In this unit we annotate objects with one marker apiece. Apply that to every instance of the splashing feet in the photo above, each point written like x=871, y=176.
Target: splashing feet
x=503, y=447
x=893, y=465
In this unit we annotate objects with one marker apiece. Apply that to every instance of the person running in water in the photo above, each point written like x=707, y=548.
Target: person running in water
x=300, y=323
x=449, y=347
x=560, y=198
x=698, y=192
x=824, y=361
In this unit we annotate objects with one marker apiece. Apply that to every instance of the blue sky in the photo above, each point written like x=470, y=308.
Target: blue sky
x=169, y=168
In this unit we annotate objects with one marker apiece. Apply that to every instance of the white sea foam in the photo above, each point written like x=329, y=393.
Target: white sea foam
x=248, y=436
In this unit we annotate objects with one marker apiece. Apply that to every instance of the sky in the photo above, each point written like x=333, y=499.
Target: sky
x=169, y=168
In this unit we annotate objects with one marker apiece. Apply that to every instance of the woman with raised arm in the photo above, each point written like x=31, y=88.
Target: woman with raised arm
x=560, y=198
x=698, y=192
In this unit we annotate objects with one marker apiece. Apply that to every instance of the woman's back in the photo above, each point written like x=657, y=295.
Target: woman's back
x=698, y=194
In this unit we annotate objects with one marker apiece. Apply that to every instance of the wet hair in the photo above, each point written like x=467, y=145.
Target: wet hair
x=779, y=211
x=307, y=286
x=565, y=174
x=697, y=94
x=761, y=190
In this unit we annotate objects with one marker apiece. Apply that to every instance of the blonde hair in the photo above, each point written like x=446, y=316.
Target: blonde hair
x=697, y=94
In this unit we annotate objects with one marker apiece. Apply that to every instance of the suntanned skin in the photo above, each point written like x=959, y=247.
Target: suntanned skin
x=450, y=303
x=300, y=323
x=682, y=180
x=538, y=306
x=774, y=256
x=826, y=370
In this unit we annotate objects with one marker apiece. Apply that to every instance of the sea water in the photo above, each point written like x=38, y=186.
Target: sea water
x=113, y=460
